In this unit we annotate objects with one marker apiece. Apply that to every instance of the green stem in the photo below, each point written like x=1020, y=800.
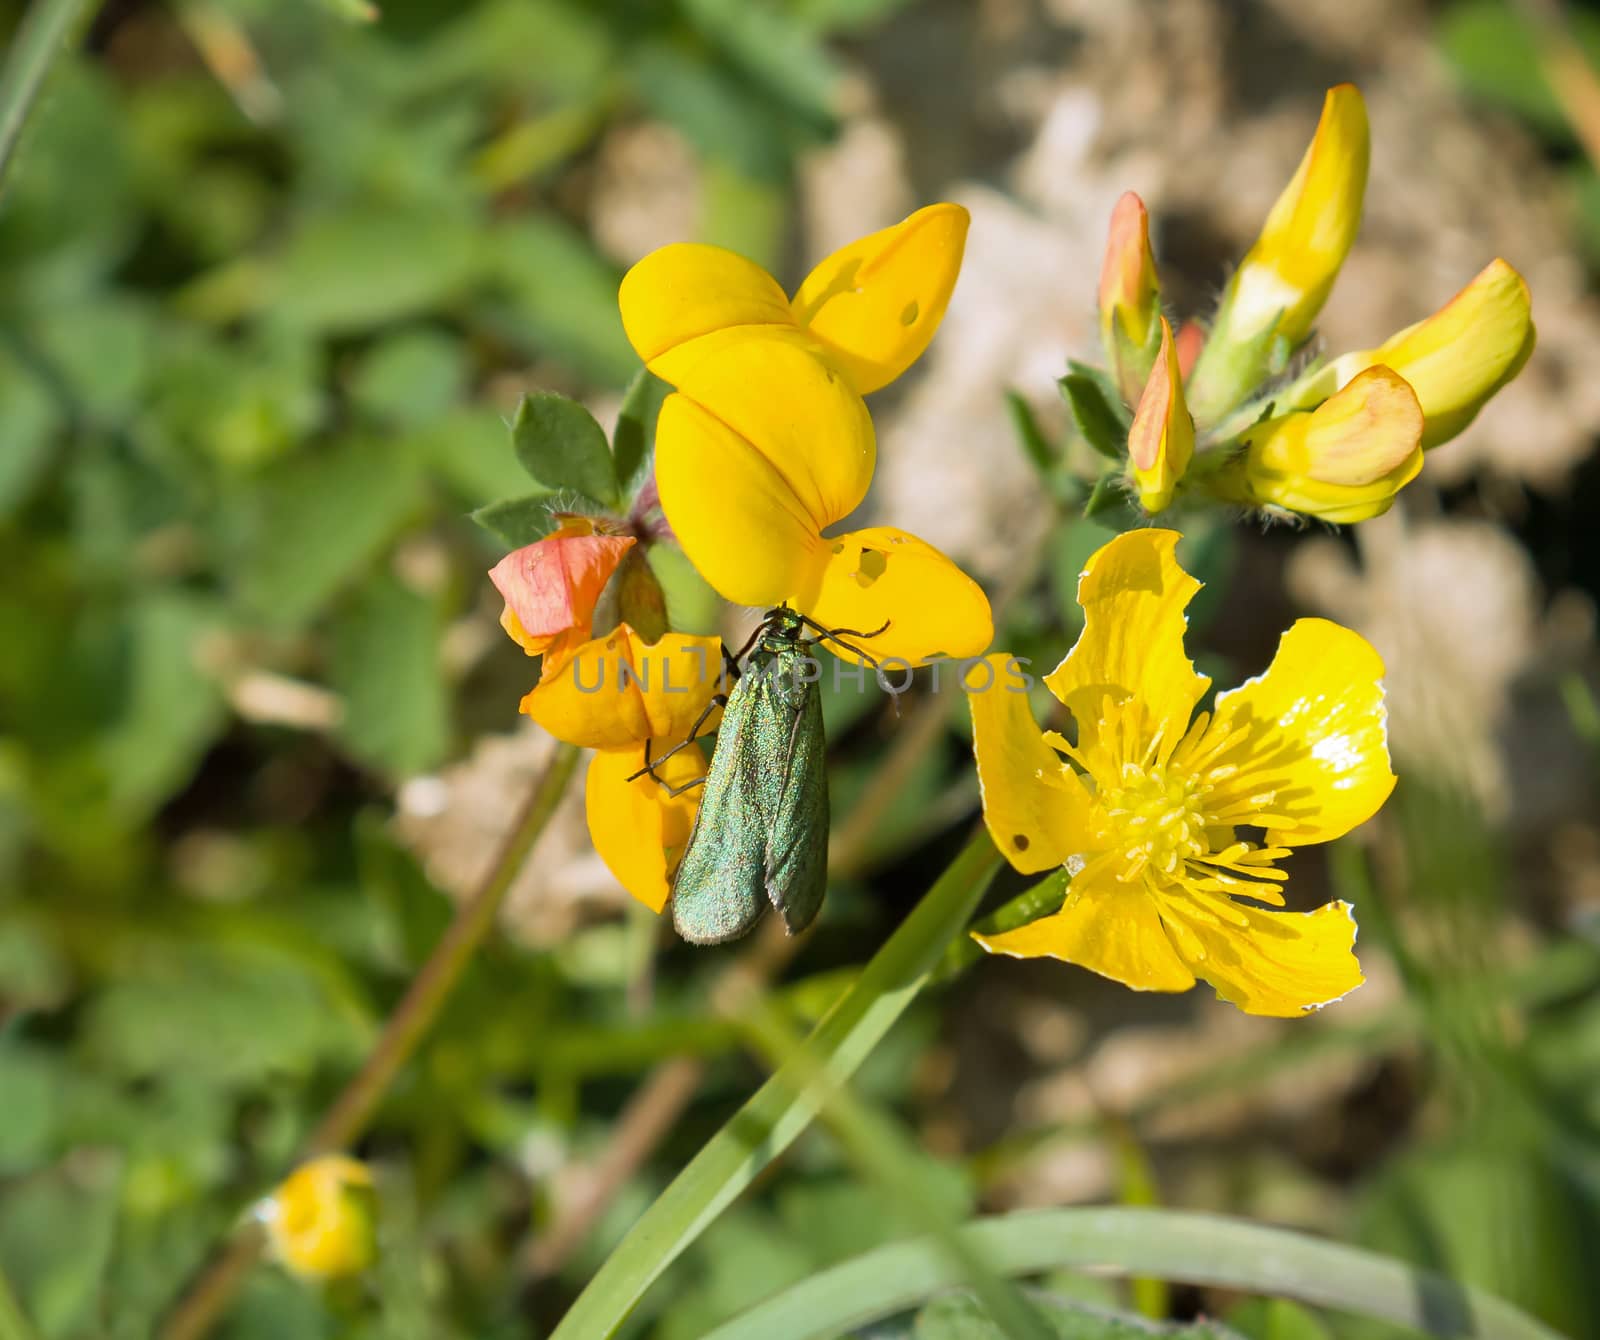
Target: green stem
x=412, y=1017
x=14, y=1323
x=40, y=38
x=785, y=1105
x=1196, y=1248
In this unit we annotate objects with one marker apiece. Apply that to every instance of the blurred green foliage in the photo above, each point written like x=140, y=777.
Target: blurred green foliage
x=259, y=344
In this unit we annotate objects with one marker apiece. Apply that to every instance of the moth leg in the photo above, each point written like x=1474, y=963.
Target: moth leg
x=717, y=700
x=679, y=790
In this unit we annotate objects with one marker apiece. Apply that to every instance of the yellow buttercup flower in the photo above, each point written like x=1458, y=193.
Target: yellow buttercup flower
x=1161, y=440
x=1456, y=359
x=1143, y=810
x=322, y=1221
x=869, y=309
x=1342, y=462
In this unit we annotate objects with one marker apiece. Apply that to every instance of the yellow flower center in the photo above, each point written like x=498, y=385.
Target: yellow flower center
x=1157, y=818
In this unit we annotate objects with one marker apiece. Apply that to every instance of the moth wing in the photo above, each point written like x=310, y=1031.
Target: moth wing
x=797, y=848
x=717, y=893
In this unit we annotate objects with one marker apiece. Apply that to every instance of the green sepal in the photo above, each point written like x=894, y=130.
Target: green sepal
x=633, y=445
x=1095, y=405
x=559, y=443
x=520, y=521
x=1107, y=495
x=1034, y=443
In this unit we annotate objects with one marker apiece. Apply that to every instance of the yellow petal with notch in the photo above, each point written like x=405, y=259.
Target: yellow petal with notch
x=876, y=303
x=1133, y=595
x=882, y=575
x=1278, y=963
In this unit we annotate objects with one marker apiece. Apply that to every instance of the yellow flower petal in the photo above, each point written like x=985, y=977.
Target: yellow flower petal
x=1108, y=928
x=617, y=691
x=322, y=1220
x=1315, y=750
x=1277, y=963
x=1456, y=359
x=1343, y=461
x=1294, y=262
x=883, y=576
x=876, y=303
x=736, y=517
x=1133, y=595
x=1038, y=811
x=792, y=408
x=638, y=829
x=1161, y=439
x=683, y=291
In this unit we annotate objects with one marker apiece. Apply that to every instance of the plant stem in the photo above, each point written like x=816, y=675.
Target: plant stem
x=40, y=38
x=353, y=1110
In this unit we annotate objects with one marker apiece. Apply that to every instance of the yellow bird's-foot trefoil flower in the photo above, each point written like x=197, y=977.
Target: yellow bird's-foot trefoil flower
x=321, y=1222
x=1145, y=808
x=1321, y=442
x=618, y=693
x=766, y=444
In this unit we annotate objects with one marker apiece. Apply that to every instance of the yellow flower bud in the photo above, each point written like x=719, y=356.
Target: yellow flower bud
x=1161, y=440
x=1130, y=297
x=1342, y=462
x=1291, y=267
x=1456, y=359
x=322, y=1221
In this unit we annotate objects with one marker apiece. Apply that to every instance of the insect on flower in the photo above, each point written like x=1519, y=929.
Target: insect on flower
x=761, y=834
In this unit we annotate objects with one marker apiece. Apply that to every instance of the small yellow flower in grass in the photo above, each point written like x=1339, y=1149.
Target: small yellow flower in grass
x=762, y=449
x=322, y=1221
x=1342, y=462
x=1161, y=440
x=869, y=309
x=1143, y=810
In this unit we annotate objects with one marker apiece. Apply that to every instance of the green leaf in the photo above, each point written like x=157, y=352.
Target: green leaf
x=519, y=521
x=1034, y=443
x=174, y=707
x=778, y=53
x=413, y=377
x=1096, y=411
x=714, y=111
x=633, y=443
x=786, y=1104
x=368, y=264
x=30, y=1078
x=562, y=298
x=56, y=1234
x=1107, y=495
x=385, y=664
x=1494, y=50
x=1275, y=1319
x=960, y=1316
x=562, y=447
x=1169, y=1244
x=311, y=524
x=32, y=418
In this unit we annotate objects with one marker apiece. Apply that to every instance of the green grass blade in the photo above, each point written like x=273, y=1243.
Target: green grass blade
x=40, y=37
x=785, y=1105
x=1167, y=1244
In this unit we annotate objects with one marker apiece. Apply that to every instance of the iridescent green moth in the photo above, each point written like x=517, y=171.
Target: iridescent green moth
x=760, y=836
